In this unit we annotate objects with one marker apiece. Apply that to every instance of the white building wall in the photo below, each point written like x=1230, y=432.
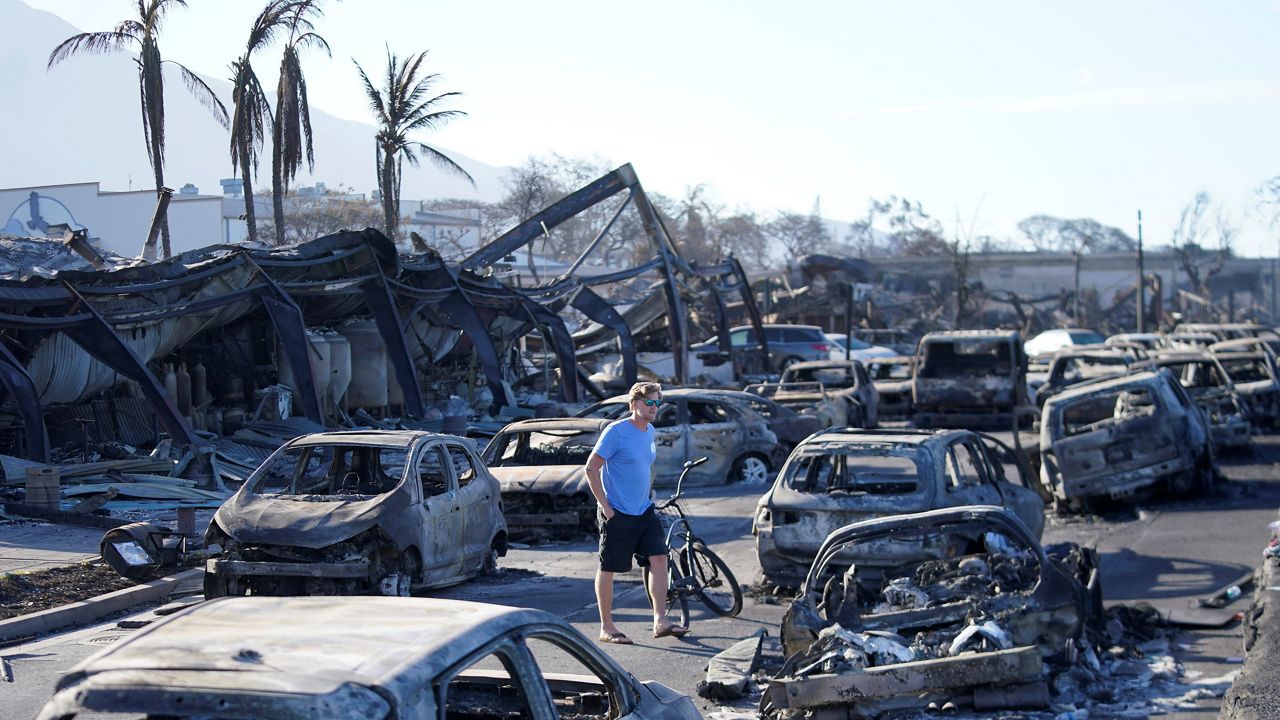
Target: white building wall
x=118, y=221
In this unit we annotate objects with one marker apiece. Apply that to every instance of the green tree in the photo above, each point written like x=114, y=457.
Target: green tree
x=403, y=106
x=291, y=134
x=251, y=113
x=141, y=34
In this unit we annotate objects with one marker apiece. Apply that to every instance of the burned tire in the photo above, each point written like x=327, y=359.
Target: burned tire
x=750, y=470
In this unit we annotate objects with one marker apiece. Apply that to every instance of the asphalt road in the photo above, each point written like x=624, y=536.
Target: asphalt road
x=1163, y=553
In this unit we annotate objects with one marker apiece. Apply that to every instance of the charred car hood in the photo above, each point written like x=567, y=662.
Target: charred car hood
x=549, y=479
x=272, y=520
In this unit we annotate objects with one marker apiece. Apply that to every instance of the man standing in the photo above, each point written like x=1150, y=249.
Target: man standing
x=619, y=471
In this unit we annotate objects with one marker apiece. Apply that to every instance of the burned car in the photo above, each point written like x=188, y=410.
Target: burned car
x=841, y=476
x=363, y=512
x=1069, y=367
x=262, y=658
x=838, y=394
x=692, y=423
x=976, y=623
x=541, y=466
x=846, y=380
x=969, y=378
x=1115, y=436
x=790, y=426
x=1208, y=384
x=1255, y=376
x=892, y=378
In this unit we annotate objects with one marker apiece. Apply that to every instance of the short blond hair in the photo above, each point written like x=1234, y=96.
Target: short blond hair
x=641, y=390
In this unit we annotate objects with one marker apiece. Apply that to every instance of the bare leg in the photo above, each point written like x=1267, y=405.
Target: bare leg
x=658, y=590
x=604, y=599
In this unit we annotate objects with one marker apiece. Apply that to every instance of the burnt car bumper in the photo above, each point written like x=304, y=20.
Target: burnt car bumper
x=1121, y=484
x=355, y=569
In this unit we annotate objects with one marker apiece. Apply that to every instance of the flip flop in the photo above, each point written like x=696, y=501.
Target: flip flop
x=618, y=638
x=671, y=630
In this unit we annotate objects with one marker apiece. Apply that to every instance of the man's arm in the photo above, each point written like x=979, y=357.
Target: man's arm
x=595, y=464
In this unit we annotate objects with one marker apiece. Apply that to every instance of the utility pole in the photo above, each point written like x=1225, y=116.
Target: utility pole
x=1075, y=309
x=1142, y=282
x=848, y=325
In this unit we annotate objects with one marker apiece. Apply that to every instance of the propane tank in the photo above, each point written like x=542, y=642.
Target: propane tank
x=199, y=385
x=184, y=390
x=170, y=383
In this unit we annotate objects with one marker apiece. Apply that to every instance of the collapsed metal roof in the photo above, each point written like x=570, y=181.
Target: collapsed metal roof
x=67, y=337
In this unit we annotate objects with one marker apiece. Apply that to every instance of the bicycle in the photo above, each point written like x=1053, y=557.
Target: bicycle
x=692, y=567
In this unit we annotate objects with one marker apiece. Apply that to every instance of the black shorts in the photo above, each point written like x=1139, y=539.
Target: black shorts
x=625, y=535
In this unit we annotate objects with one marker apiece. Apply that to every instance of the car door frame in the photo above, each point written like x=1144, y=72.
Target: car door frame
x=440, y=555
x=1028, y=496
x=671, y=444
x=972, y=494
x=472, y=505
x=717, y=470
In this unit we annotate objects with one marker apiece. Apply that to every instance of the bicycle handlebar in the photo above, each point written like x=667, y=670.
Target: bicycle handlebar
x=688, y=465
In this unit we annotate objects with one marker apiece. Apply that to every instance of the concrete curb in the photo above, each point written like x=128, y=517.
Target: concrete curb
x=89, y=610
x=1255, y=694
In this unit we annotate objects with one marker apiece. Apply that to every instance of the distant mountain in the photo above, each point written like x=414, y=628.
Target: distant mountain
x=80, y=122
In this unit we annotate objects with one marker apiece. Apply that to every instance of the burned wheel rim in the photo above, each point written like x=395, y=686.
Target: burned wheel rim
x=714, y=583
x=751, y=470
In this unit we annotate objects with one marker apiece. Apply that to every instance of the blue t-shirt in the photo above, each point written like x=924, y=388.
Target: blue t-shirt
x=628, y=454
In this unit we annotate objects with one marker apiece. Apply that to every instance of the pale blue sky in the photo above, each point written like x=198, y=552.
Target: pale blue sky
x=987, y=112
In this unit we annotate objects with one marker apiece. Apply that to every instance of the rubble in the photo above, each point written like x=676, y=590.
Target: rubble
x=869, y=640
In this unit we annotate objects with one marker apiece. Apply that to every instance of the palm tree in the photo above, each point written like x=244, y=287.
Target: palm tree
x=141, y=34
x=291, y=136
x=252, y=112
x=400, y=109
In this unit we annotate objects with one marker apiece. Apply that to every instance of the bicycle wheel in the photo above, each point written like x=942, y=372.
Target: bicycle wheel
x=677, y=595
x=713, y=582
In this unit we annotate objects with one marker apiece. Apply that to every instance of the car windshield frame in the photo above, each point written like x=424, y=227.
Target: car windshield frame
x=518, y=450
x=333, y=463
x=807, y=465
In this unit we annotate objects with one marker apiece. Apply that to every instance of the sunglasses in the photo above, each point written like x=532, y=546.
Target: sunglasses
x=653, y=403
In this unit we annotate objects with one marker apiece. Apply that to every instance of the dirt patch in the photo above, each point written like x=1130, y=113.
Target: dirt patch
x=28, y=592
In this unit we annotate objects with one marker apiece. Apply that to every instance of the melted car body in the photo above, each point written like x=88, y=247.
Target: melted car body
x=1115, y=436
x=862, y=640
x=846, y=475
x=693, y=424
x=966, y=377
x=370, y=512
x=261, y=658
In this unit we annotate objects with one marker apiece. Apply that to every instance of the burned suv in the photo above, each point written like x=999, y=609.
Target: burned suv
x=845, y=475
x=353, y=513
x=1112, y=437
